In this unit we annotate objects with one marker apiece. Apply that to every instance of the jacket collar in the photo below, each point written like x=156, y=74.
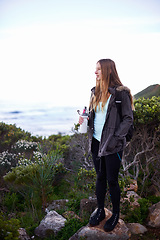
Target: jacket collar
x=112, y=90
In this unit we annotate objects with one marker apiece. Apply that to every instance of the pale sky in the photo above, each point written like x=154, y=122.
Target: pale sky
x=49, y=48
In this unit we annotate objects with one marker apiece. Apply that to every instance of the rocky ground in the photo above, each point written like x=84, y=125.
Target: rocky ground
x=151, y=234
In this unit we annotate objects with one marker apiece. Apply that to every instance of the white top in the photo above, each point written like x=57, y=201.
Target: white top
x=99, y=119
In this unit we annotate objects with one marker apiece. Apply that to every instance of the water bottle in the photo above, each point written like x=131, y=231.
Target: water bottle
x=83, y=126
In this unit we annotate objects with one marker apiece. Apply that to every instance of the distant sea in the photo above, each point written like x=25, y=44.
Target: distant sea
x=40, y=120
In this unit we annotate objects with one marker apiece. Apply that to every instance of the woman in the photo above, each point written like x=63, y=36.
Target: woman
x=107, y=131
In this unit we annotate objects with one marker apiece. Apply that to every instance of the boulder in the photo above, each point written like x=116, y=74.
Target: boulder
x=22, y=234
x=153, y=190
x=57, y=205
x=91, y=233
x=154, y=215
x=52, y=223
x=132, y=198
x=70, y=214
x=136, y=228
x=133, y=186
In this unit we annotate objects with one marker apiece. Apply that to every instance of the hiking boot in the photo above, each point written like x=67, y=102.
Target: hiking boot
x=111, y=222
x=97, y=217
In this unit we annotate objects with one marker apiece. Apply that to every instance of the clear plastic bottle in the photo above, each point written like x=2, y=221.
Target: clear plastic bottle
x=83, y=126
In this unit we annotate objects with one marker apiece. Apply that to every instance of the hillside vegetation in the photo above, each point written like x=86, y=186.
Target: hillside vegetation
x=153, y=90
x=35, y=171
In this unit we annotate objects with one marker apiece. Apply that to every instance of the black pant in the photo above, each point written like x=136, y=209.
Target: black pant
x=107, y=169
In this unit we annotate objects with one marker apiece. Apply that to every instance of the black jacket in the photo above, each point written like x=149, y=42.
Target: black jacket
x=115, y=129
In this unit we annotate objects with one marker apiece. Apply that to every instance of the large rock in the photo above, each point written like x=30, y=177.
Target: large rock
x=71, y=215
x=133, y=186
x=132, y=197
x=153, y=190
x=91, y=233
x=52, y=223
x=57, y=205
x=154, y=215
x=136, y=228
x=22, y=234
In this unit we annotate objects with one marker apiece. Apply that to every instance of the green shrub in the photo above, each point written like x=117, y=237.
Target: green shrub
x=86, y=180
x=35, y=179
x=10, y=134
x=13, y=201
x=144, y=208
x=15, y=144
x=10, y=201
x=30, y=220
x=153, y=199
x=56, y=141
x=23, y=145
x=74, y=205
x=7, y=160
x=138, y=214
x=9, y=228
x=61, y=189
x=71, y=227
x=147, y=111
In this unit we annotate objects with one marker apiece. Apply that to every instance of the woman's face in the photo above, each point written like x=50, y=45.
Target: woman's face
x=98, y=72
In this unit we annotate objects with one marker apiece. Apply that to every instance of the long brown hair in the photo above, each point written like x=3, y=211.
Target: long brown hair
x=110, y=78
